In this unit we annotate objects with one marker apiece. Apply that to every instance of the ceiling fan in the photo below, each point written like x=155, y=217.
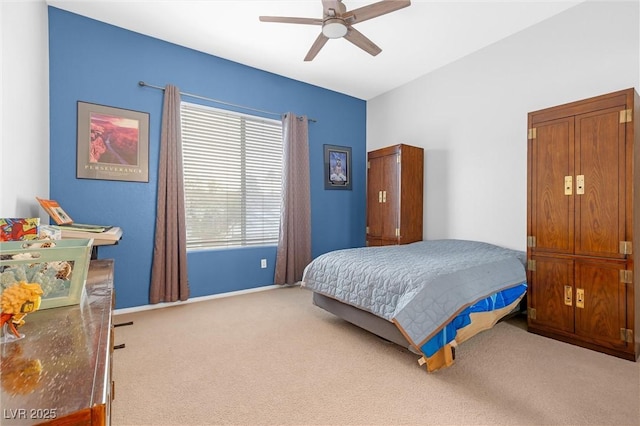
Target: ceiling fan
x=337, y=22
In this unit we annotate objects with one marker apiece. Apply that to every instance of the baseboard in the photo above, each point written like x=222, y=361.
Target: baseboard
x=193, y=300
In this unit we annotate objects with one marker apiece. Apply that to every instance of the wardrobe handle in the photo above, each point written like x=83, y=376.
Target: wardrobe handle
x=580, y=184
x=384, y=196
x=379, y=196
x=568, y=295
x=568, y=185
x=580, y=298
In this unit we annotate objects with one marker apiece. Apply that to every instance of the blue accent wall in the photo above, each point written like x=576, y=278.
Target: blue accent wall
x=94, y=62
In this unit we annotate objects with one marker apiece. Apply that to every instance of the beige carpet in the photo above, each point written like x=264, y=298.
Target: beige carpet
x=272, y=357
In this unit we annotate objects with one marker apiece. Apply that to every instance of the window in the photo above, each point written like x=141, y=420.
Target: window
x=232, y=177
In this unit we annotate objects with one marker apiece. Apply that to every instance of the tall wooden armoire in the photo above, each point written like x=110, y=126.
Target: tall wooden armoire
x=394, y=195
x=583, y=193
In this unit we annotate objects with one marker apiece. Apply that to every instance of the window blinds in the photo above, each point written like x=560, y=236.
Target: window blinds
x=232, y=177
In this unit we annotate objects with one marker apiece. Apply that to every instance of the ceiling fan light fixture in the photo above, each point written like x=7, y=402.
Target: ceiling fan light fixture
x=334, y=28
x=337, y=22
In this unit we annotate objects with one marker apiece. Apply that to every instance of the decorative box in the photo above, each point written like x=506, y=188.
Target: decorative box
x=60, y=267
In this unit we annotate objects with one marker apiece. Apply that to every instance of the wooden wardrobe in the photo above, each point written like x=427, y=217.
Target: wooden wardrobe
x=583, y=192
x=394, y=195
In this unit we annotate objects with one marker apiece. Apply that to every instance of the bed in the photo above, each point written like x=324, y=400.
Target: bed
x=428, y=296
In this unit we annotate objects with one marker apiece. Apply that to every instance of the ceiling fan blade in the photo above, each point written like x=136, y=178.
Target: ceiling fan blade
x=291, y=20
x=315, y=48
x=357, y=38
x=383, y=7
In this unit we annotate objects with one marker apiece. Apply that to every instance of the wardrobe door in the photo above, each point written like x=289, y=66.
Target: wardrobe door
x=551, y=187
x=600, y=187
x=551, y=293
x=600, y=302
x=375, y=179
x=390, y=205
x=383, y=200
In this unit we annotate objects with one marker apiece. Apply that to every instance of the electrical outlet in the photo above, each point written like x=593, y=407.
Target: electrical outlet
x=263, y=263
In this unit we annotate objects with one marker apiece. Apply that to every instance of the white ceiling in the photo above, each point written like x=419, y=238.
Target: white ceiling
x=415, y=40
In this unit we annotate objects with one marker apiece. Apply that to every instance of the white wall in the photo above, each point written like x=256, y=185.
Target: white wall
x=24, y=110
x=471, y=116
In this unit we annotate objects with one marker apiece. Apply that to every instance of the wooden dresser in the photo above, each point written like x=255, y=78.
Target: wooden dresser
x=583, y=194
x=60, y=372
x=395, y=186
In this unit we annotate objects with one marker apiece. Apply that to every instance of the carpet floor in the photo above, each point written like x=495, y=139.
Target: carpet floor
x=273, y=358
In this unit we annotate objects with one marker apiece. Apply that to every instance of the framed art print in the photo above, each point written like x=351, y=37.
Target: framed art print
x=337, y=167
x=113, y=143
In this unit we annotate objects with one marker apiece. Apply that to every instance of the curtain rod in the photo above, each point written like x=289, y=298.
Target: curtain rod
x=143, y=84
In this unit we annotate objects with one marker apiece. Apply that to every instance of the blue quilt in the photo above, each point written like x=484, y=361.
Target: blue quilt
x=426, y=288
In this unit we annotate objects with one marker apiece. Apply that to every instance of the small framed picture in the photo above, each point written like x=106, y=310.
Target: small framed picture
x=113, y=143
x=337, y=167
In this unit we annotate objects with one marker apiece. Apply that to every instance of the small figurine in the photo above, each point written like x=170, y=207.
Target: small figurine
x=17, y=301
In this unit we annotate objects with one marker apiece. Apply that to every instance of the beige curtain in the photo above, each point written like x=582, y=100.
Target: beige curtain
x=169, y=271
x=294, y=244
